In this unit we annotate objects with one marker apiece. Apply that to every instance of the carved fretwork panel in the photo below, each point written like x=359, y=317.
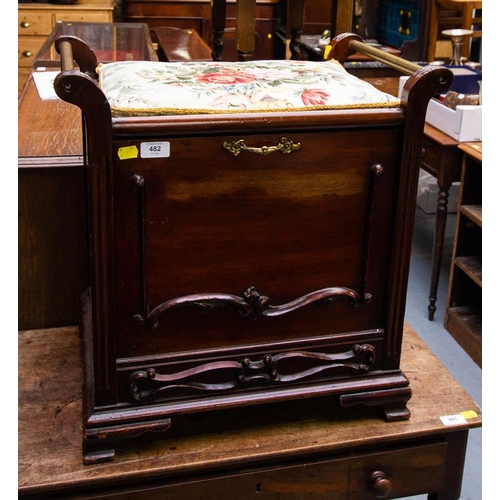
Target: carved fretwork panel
x=216, y=376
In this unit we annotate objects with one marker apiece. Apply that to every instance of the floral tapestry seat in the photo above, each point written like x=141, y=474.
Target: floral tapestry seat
x=138, y=88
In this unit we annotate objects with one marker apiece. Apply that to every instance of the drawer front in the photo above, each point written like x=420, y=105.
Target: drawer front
x=403, y=472
x=34, y=23
x=431, y=157
x=27, y=49
x=82, y=16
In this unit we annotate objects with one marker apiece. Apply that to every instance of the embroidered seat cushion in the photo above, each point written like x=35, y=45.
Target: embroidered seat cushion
x=136, y=88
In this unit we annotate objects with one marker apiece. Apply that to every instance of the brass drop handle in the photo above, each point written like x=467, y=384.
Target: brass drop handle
x=25, y=24
x=27, y=53
x=284, y=145
x=380, y=485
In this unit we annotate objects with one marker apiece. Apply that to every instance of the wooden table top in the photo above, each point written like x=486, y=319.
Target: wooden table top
x=49, y=432
x=39, y=120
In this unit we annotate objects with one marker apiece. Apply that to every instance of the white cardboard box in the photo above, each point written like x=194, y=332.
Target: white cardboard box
x=465, y=124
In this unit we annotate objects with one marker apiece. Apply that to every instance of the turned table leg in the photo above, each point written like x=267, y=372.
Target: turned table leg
x=437, y=249
x=440, y=158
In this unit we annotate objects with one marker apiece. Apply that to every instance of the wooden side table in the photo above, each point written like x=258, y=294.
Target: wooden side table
x=442, y=159
x=293, y=450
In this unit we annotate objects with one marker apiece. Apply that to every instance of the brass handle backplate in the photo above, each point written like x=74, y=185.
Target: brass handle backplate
x=284, y=145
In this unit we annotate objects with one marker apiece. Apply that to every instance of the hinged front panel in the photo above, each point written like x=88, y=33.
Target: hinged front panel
x=232, y=241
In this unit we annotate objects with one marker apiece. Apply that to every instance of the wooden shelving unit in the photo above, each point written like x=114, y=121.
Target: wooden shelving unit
x=464, y=302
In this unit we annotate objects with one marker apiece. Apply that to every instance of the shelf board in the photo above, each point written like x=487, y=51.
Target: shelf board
x=472, y=267
x=474, y=213
x=464, y=323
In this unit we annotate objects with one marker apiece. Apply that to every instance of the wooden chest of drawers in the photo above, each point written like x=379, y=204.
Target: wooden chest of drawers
x=35, y=23
x=222, y=278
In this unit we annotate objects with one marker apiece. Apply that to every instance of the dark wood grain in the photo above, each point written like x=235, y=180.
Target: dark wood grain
x=52, y=246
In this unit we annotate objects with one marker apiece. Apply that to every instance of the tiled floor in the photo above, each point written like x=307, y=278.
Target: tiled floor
x=439, y=340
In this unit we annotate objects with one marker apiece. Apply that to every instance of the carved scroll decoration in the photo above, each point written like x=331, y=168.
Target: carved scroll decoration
x=145, y=385
x=252, y=304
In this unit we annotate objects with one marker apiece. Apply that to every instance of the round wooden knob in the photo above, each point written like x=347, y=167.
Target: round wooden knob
x=380, y=485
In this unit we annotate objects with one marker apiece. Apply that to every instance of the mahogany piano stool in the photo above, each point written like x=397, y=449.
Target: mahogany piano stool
x=286, y=450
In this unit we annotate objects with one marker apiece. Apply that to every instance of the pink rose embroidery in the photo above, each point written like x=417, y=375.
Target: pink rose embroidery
x=314, y=97
x=225, y=77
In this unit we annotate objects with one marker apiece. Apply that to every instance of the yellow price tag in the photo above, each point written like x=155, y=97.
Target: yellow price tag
x=328, y=48
x=128, y=152
x=469, y=414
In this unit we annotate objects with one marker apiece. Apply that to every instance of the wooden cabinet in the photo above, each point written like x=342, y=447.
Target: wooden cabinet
x=196, y=15
x=464, y=303
x=36, y=20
